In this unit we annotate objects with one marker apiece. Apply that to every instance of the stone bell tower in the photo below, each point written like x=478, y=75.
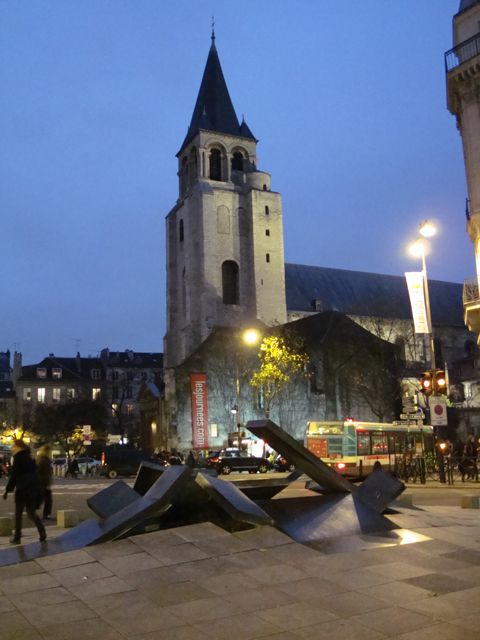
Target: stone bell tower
x=462, y=65
x=225, y=258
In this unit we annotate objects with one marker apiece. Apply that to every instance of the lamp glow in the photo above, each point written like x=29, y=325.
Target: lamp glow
x=427, y=229
x=417, y=249
x=251, y=336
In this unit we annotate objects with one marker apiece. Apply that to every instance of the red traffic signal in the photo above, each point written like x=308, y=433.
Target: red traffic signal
x=426, y=383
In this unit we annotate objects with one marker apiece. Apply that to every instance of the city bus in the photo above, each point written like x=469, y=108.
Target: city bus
x=353, y=447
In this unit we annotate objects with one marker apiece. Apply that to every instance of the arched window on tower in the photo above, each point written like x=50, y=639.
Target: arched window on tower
x=230, y=284
x=215, y=164
x=184, y=174
x=180, y=230
x=192, y=167
x=237, y=161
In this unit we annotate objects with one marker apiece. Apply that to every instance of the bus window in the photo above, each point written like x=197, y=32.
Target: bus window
x=363, y=443
x=379, y=443
x=349, y=441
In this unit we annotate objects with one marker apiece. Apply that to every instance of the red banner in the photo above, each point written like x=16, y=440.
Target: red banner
x=198, y=383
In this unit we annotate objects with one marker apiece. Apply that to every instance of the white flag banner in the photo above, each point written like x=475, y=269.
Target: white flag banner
x=417, y=300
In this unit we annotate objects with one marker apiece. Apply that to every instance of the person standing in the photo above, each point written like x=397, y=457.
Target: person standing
x=72, y=468
x=24, y=481
x=45, y=473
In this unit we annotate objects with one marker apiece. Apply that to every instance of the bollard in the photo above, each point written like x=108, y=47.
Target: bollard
x=67, y=518
x=6, y=526
x=470, y=502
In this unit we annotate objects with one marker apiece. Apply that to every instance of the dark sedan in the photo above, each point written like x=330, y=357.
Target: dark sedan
x=227, y=461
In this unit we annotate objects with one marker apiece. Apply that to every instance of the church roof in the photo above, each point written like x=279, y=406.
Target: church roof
x=466, y=4
x=367, y=294
x=214, y=109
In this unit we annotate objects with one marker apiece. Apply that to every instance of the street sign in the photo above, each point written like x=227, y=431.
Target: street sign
x=87, y=429
x=438, y=411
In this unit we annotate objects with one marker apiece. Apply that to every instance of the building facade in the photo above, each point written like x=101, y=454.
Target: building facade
x=462, y=65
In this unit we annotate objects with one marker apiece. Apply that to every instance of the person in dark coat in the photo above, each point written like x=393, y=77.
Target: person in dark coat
x=72, y=468
x=45, y=473
x=24, y=480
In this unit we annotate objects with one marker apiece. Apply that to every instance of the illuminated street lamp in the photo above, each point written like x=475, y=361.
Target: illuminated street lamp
x=249, y=337
x=418, y=249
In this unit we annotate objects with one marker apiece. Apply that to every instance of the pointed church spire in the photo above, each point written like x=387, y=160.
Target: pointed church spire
x=214, y=109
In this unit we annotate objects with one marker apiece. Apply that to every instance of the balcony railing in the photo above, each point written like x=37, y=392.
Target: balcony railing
x=462, y=52
x=470, y=291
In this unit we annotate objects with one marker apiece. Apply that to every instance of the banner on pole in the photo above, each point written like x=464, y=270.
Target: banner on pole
x=417, y=300
x=198, y=384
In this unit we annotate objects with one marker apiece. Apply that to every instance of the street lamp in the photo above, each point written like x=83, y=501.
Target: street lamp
x=418, y=249
x=249, y=337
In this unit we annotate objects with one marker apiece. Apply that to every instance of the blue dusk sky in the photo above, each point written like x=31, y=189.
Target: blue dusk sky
x=346, y=97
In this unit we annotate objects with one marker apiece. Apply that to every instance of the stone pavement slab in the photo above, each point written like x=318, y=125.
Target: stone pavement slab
x=256, y=584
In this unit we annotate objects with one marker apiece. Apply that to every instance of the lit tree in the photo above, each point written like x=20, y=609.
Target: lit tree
x=281, y=360
x=61, y=423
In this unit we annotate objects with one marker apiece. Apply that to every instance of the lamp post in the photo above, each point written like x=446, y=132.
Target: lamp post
x=418, y=250
x=249, y=337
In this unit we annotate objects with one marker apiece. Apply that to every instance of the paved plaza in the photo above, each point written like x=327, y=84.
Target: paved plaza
x=200, y=582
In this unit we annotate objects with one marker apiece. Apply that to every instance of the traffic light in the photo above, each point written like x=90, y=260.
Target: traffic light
x=440, y=383
x=426, y=383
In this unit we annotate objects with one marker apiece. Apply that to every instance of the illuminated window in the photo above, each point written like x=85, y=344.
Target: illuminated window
x=70, y=394
x=96, y=393
x=129, y=408
x=96, y=374
x=41, y=394
x=27, y=394
x=56, y=394
x=214, y=430
x=41, y=372
x=114, y=409
x=56, y=373
x=153, y=427
x=230, y=284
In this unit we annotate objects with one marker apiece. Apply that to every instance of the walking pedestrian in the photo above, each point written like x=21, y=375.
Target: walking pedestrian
x=24, y=481
x=45, y=473
x=72, y=468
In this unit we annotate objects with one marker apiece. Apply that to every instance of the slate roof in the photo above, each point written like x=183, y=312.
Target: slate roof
x=70, y=371
x=367, y=294
x=214, y=109
x=466, y=4
x=134, y=359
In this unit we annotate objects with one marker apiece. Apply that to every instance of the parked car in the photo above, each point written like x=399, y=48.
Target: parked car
x=228, y=460
x=282, y=464
x=121, y=460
